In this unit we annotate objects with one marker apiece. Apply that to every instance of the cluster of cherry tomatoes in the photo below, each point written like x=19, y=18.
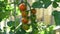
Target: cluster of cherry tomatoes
x=23, y=9
x=25, y=20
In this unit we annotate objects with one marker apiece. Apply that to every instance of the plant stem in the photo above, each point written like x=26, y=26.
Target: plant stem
x=15, y=14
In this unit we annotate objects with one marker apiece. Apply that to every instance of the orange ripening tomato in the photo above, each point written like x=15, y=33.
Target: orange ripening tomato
x=33, y=11
x=24, y=20
x=22, y=7
x=24, y=14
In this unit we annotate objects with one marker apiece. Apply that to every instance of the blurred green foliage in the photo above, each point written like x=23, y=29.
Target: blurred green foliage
x=6, y=8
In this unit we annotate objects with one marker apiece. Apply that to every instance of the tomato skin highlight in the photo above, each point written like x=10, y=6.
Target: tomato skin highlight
x=24, y=20
x=33, y=11
x=22, y=7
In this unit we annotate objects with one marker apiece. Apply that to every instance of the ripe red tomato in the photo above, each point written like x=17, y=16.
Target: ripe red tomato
x=33, y=11
x=24, y=20
x=24, y=14
x=22, y=7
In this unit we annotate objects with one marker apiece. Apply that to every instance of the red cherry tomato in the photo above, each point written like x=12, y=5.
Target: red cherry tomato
x=22, y=7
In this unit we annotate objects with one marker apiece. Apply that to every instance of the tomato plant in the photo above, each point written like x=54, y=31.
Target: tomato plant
x=27, y=21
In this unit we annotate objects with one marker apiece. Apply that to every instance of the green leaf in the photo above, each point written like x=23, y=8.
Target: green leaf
x=18, y=32
x=35, y=31
x=4, y=32
x=10, y=23
x=37, y=5
x=57, y=0
x=0, y=19
x=2, y=4
x=13, y=27
x=47, y=3
x=22, y=31
x=5, y=1
x=14, y=23
x=54, y=12
x=56, y=15
x=55, y=5
x=11, y=32
x=40, y=3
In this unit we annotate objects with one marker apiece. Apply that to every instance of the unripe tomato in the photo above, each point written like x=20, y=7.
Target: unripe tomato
x=33, y=11
x=22, y=7
x=24, y=14
x=24, y=20
x=25, y=26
